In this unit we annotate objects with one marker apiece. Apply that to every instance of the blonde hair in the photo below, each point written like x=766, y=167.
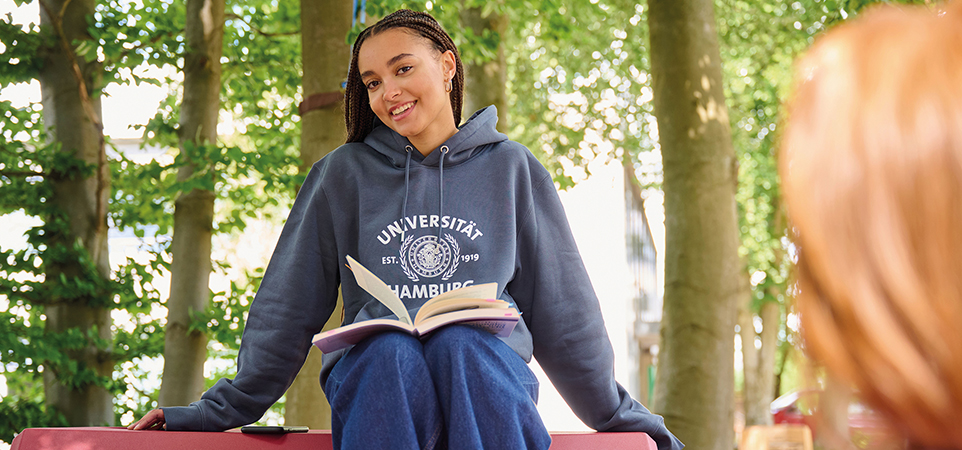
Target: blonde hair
x=871, y=169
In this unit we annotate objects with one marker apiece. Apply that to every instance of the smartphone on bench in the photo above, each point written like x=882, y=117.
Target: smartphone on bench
x=273, y=429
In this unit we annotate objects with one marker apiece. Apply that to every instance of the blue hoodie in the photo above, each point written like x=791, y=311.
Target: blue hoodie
x=479, y=209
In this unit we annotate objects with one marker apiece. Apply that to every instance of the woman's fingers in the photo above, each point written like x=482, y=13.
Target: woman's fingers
x=154, y=420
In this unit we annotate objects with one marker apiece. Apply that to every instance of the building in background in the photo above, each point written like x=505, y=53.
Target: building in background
x=646, y=290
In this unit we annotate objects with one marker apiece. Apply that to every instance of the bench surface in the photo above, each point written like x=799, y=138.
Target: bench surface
x=117, y=438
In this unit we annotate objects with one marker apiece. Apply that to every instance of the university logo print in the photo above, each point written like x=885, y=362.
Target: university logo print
x=429, y=257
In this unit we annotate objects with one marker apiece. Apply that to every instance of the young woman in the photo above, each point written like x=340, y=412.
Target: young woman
x=872, y=174
x=427, y=206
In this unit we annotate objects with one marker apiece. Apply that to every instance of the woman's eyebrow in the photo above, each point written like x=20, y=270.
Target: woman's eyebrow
x=390, y=63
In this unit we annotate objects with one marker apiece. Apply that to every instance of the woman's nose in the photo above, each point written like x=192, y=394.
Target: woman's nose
x=391, y=91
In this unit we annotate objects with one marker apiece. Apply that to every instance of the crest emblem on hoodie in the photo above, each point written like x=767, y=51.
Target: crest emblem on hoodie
x=430, y=257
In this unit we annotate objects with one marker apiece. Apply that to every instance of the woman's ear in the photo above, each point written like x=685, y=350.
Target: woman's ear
x=449, y=65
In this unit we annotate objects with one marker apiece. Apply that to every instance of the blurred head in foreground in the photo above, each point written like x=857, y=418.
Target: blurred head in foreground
x=871, y=169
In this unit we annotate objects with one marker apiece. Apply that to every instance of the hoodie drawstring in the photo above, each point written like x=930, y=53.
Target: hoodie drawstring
x=444, y=151
x=407, y=179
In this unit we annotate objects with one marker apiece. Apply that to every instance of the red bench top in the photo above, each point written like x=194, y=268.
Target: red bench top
x=111, y=438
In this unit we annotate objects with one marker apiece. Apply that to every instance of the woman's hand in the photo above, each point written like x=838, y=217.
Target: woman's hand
x=154, y=420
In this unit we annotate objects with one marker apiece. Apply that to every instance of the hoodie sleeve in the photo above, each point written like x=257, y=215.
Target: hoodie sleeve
x=552, y=288
x=295, y=299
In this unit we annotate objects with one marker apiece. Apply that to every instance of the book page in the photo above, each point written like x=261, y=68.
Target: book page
x=486, y=290
x=456, y=304
x=374, y=286
x=499, y=322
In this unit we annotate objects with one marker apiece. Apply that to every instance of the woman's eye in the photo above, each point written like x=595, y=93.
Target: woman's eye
x=404, y=69
x=372, y=85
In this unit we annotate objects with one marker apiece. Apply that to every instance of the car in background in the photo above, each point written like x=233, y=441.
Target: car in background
x=867, y=428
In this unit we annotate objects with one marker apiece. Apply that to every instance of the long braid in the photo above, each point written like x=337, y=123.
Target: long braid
x=357, y=112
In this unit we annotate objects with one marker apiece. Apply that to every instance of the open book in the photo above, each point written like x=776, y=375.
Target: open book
x=474, y=305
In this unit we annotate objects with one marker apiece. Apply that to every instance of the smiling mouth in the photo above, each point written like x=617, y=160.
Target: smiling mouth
x=401, y=109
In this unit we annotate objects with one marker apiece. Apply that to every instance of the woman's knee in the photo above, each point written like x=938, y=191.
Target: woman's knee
x=390, y=345
x=456, y=340
x=472, y=352
x=385, y=358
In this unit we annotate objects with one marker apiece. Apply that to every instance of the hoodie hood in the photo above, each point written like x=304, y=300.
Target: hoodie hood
x=472, y=136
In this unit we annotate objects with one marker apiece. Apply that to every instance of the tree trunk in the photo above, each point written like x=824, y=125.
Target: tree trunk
x=759, y=370
x=771, y=321
x=771, y=315
x=786, y=349
x=751, y=391
x=72, y=117
x=486, y=82
x=695, y=383
x=185, y=351
x=326, y=57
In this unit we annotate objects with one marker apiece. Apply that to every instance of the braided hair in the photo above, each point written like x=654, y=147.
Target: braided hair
x=357, y=109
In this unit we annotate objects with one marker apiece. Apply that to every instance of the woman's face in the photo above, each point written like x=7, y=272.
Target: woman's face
x=405, y=79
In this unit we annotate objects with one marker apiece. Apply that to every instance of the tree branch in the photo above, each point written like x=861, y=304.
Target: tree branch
x=20, y=173
x=63, y=9
x=258, y=31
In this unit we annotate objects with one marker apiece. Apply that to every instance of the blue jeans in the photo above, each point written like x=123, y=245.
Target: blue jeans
x=462, y=388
